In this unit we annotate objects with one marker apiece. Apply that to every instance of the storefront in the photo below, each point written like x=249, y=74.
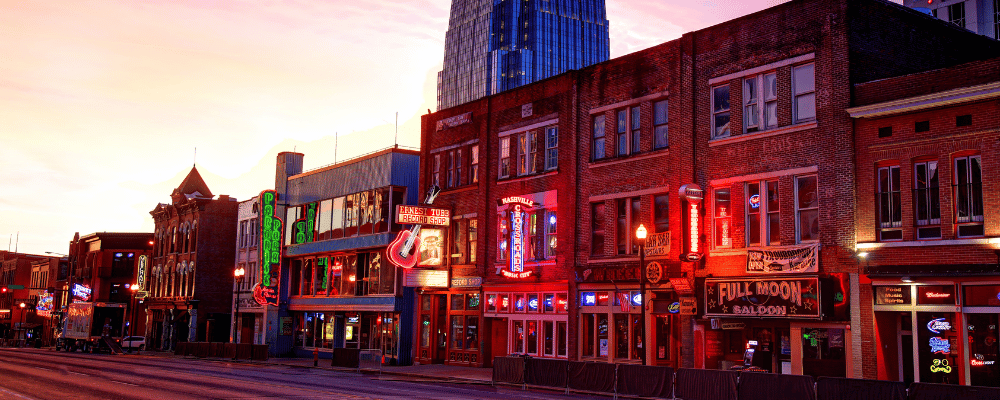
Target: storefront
x=450, y=329
x=795, y=324
x=349, y=300
x=534, y=323
x=938, y=330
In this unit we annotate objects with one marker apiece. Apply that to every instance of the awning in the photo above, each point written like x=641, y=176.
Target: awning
x=933, y=270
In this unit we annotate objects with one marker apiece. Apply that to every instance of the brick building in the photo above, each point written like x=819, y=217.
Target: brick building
x=928, y=223
x=19, y=323
x=190, y=275
x=248, y=317
x=750, y=110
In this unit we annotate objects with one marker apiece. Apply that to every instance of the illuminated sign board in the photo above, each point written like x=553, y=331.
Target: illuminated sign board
x=588, y=299
x=793, y=297
x=892, y=295
x=81, y=292
x=266, y=292
x=692, y=196
x=44, y=306
x=936, y=294
x=141, y=276
x=518, y=218
x=422, y=215
x=425, y=278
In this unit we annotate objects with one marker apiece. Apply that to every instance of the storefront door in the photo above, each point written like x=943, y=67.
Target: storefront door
x=441, y=329
x=498, y=346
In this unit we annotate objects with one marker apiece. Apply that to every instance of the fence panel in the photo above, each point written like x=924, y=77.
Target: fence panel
x=937, y=391
x=591, y=376
x=345, y=358
x=259, y=352
x=858, y=389
x=645, y=381
x=765, y=386
x=546, y=372
x=706, y=384
x=370, y=359
x=508, y=369
x=180, y=349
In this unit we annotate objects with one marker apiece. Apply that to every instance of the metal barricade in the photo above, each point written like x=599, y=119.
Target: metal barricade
x=370, y=359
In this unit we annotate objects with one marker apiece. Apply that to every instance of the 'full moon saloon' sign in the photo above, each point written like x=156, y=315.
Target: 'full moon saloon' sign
x=756, y=298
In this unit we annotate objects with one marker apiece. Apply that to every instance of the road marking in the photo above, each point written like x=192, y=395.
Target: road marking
x=76, y=373
x=47, y=369
x=15, y=394
x=123, y=383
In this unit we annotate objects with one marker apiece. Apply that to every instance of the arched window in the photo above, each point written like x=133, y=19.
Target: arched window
x=190, y=279
x=194, y=236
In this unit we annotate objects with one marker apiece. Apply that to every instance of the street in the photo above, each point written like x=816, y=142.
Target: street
x=46, y=374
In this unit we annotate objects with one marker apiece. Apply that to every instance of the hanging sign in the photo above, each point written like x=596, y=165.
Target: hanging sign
x=405, y=251
x=81, y=292
x=691, y=196
x=654, y=272
x=689, y=306
x=44, y=305
x=785, y=259
x=141, y=275
x=266, y=292
x=658, y=244
x=682, y=286
x=425, y=278
x=422, y=215
x=518, y=207
x=793, y=297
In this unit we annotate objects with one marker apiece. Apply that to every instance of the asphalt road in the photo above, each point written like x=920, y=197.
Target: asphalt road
x=29, y=374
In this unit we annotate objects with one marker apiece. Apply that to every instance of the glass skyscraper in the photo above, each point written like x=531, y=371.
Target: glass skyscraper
x=496, y=45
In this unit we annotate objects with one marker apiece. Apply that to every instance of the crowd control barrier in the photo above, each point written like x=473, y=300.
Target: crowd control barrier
x=236, y=351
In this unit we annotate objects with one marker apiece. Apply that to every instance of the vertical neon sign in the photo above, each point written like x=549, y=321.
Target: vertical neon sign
x=692, y=194
x=266, y=292
x=517, y=240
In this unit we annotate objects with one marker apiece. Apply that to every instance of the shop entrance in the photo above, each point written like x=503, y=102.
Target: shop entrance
x=498, y=330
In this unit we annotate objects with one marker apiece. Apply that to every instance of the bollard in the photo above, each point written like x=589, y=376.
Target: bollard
x=316, y=356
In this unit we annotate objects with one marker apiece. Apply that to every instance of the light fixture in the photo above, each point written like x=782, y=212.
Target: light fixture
x=640, y=233
x=863, y=255
x=907, y=279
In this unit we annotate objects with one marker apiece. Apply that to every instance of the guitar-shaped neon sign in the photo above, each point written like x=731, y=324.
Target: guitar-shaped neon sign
x=402, y=251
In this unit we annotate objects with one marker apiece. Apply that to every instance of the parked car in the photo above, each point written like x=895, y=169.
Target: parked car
x=134, y=342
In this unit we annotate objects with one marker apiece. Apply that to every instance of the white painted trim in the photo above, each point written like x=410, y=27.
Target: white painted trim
x=504, y=181
x=627, y=259
x=764, y=176
x=454, y=146
x=929, y=243
x=526, y=128
x=760, y=135
x=630, y=102
x=938, y=99
x=724, y=252
x=762, y=68
x=622, y=195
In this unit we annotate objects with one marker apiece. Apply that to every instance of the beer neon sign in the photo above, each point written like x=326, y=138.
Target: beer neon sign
x=692, y=195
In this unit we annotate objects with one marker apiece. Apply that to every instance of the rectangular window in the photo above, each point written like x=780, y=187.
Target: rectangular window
x=636, y=128
x=996, y=19
x=597, y=148
x=806, y=209
x=451, y=170
x=550, y=234
x=753, y=227
x=723, y=218
x=522, y=154
x=804, y=89
x=473, y=239
x=364, y=213
x=661, y=213
x=504, y=157
x=969, y=196
x=956, y=14
x=458, y=168
x=773, y=223
x=621, y=336
x=621, y=130
x=597, y=229
x=760, y=103
x=436, y=177
x=628, y=219
x=532, y=158
x=890, y=217
x=323, y=222
x=337, y=219
x=474, y=165
x=551, y=148
x=380, y=205
x=457, y=242
x=926, y=201
x=457, y=334
x=720, y=111
x=660, y=131
x=351, y=216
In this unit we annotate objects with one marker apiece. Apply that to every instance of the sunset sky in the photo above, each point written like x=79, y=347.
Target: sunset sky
x=102, y=103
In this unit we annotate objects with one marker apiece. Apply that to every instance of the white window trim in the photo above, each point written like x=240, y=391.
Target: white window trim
x=712, y=135
x=798, y=224
x=795, y=95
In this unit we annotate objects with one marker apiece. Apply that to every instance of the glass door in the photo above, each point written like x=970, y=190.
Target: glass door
x=984, y=336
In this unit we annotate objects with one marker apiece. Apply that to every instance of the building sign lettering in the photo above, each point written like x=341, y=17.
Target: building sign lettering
x=785, y=259
x=422, y=215
x=692, y=195
x=658, y=244
x=451, y=122
x=892, y=295
x=266, y=292
x=794, y=297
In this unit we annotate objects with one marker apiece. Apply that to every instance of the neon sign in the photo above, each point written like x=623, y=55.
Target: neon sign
x=516, y=200
x=935, y=295
x=940, y=346
x=266, y=292
x=81, y=292
x=589, y=299
x=938, y=324
x=141, y=279
x=517, y=240
x=940, y=365
x=533, y=304
x=637, y=299
x=755, y=201
x=692, y=194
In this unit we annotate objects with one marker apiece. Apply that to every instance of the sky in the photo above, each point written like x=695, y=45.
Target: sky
x=105, y=105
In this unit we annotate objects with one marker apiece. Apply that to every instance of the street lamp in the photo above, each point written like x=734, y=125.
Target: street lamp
x=131, y=325
x=22, y=324
x=640, y=234
x=238, y=274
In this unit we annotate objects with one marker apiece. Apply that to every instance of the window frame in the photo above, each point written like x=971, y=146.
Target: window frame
x=504, y=159
x=598, y=141
x=798, y=210
x=664, y=124
x=631, y=217
x=796, y=94
x=474, y=164
x=764, y=213
x=973, y=218
x=720, y=112
x=724, y=218
x=598, y=228
x=758, y=106
x=889, y=198
x=551, y=147
x=927, y=199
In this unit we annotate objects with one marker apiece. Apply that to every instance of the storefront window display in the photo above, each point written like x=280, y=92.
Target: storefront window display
x=536, y=322
x=937, y=347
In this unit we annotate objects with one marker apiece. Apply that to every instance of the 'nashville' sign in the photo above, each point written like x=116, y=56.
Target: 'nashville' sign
x=734, y=297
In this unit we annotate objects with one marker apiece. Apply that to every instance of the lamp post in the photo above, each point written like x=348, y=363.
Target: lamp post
x=131, y=325
x=238, y=274
x=21, y=326
x=640, y=234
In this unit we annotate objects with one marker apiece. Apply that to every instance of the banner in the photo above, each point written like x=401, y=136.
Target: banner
x=783, y=260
